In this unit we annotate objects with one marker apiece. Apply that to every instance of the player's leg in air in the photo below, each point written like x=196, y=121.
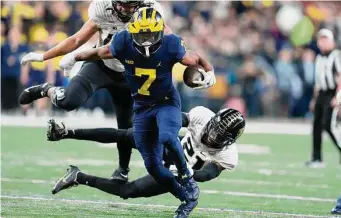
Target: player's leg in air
x=337, y=208
x=56, y=132
x=142, y=187
x=92, y=76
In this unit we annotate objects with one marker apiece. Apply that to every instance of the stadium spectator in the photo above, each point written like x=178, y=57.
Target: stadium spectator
x=11, y=53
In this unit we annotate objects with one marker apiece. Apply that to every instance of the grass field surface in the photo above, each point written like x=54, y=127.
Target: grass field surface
x=271, y=180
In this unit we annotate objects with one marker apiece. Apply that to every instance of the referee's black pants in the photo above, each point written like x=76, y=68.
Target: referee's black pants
x=325, y=119
x=92, y=76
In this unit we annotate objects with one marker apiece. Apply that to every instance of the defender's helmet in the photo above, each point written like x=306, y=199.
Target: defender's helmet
x=124, y=9
x=147, y=30
x=223, y=129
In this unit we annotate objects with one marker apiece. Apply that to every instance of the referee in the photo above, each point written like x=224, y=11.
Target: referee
x=328, y=82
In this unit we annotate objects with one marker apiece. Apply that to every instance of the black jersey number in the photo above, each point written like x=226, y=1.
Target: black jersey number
x=188, y=147
x=190, y=153
x=107, y=40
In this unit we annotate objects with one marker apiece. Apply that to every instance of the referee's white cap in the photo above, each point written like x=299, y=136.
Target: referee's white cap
x=326, y=33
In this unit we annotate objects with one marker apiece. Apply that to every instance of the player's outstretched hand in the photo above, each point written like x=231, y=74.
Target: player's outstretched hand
x=32, y=57
x=67, y=63
x=208, y=81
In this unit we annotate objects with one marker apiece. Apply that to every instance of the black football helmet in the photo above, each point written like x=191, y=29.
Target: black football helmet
x=124, y=9
x=223, y=129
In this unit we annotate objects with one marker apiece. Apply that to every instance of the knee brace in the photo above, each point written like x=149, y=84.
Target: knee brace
x=58, y=94
x=66, y=102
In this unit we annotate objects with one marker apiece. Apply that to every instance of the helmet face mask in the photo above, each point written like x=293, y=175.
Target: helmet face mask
x=223, y=129
x=147, y=31
x=124, y=9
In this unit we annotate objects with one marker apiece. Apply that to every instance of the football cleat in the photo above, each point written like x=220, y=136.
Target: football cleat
x=337, y=209
x=120, y=174
x=191, y=188
x=316, y=164
x=33, y=93
x=67, y=181
x=54, y=131
x=185, y=209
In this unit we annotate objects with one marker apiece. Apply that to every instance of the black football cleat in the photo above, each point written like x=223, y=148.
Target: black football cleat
x=185, y=209
x=191, y=188
x=67, y=181
x=337, y=209
x=54, y=131
x=33, y=93
x=120, y=174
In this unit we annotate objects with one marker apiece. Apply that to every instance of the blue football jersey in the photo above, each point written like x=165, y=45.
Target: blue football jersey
x=150, y=79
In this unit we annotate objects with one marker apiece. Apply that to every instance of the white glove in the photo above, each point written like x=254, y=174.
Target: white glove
x=32, y=56
x=338, y=98
x=67, y=63
x=208, y=81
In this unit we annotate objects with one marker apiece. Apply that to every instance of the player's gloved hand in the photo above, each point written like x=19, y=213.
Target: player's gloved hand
x=67, y=63
x=208, y=81
x=32, y=56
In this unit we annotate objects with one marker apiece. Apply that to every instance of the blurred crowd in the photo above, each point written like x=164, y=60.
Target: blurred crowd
x=262, y=51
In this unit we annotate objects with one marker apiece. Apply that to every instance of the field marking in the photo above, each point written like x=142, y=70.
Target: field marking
x=77, y=201
x=81, y=119
x=222, y=180
x=270, y=183
x=205, y=191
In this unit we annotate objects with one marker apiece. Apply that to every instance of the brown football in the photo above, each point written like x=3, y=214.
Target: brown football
x=192, y=74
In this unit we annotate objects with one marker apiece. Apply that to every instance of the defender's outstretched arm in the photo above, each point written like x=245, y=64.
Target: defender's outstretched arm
x=66, y=46
x=94, y=54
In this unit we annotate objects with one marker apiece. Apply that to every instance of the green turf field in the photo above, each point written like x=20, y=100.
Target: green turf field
x=272, y=183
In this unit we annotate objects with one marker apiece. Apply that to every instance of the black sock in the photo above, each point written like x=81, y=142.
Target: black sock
x=103, y=135
x=114, y=187
x=85, y=179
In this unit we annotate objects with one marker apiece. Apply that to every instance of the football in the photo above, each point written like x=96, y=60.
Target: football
x=192, y=74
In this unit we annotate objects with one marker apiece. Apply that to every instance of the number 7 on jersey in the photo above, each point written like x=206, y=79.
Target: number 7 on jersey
x=151, y=73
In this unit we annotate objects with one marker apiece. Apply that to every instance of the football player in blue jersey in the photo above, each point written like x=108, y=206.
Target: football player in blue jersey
x=148, y=57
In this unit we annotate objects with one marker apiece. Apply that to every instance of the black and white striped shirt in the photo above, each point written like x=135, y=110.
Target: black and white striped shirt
x=327, y=70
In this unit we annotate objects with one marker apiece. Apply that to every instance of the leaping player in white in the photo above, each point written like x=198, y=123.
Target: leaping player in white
x=107, y=17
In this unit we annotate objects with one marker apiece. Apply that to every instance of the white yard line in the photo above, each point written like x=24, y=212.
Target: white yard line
x=269, y=183
x=231, y=193
x=152, y=206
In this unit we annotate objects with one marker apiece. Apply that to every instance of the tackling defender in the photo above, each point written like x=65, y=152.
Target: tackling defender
x=106, y=17
x=148, y=57
x=209, y=147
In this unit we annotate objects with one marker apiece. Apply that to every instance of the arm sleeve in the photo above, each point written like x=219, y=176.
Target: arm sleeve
x=117, y=43
x=207, y=173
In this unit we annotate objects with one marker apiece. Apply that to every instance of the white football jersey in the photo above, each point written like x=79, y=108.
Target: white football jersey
x=197, y=153
x=100, y=12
